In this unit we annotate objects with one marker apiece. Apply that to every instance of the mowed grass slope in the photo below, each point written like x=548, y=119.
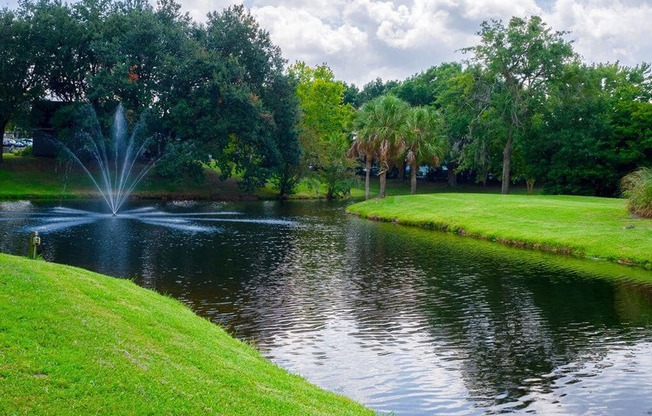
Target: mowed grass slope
x=74, y=342
x=580, y=226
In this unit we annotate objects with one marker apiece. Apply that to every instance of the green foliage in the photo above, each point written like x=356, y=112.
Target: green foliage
x=637, y=188
x=424, y=141
x=324, y=121
x=375, y=89
x=593, y=129
x=181, y=160
x=520, y=59
x=284, y=105
x=219, y=86
x=20, y=74
x=220, y=93
x=352, y=96
x=24, y=152
x=381, y=129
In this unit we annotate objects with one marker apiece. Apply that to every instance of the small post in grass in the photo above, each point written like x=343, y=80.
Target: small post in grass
x=34, y=242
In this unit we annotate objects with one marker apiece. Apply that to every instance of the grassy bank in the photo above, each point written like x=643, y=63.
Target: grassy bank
x=74, y=342
x=579, y=226
x=42, y=178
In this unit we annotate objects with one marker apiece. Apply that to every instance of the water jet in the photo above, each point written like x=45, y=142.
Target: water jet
x=111, y=164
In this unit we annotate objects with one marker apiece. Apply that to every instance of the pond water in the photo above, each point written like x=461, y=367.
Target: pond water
x=402, y=320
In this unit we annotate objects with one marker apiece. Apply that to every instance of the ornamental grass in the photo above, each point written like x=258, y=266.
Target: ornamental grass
x=637, y=188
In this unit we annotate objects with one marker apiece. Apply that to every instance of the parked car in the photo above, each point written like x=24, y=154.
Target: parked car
x=363, y=171
x=22, y=143
x=422, y=171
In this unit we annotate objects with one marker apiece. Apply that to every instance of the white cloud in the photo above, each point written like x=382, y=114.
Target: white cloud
x=408, y=36
x=305, y=36
x=498, y=9
x=393, y=39
x=606, y=31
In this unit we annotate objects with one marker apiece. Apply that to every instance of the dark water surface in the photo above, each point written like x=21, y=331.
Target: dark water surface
x=402, y=320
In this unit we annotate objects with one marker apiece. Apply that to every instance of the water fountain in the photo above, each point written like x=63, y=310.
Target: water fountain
x=116, y=173
x=113, y=166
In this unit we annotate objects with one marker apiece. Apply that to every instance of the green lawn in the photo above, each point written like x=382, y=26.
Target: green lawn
x=579, y=226
x=74, y=342
x=43, y=178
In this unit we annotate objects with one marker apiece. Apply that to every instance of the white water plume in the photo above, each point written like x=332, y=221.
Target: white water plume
x=110, y=164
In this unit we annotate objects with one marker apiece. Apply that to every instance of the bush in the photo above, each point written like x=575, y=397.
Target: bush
x=637, y=188
x=25, y=151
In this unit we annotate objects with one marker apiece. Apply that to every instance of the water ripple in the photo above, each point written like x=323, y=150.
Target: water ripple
x=402, y=320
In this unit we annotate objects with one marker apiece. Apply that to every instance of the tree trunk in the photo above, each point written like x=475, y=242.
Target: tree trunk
x=403, y=171
x=507, y=162
x=413, y=177
x=383, y=180
x=330, y=194
x=366, y=177
x=452, y=176
x=530, y=186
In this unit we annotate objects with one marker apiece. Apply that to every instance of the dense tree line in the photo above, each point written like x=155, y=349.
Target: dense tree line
x=523, y=108
x=216, y=90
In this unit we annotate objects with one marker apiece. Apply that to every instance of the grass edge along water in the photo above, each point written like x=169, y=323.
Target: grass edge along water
x=590, y=227
x=77, y=342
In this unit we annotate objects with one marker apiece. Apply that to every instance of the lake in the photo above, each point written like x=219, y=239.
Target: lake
x=402, y=320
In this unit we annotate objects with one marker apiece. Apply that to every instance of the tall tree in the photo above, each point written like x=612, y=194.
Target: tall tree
x=284, y=111
x=363, y=145
x=253, y=149
x=383, y=123
x=520, y=58
x=65, y=45
x=324, y=122
x=424, y=140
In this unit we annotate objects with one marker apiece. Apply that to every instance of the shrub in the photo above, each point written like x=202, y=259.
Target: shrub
x=26, y=151
x=637, y=188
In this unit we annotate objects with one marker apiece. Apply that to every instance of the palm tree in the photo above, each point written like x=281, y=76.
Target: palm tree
x=364, y=143
x=423, y=141
x=391, y=128
x=363, y=147
x=382, y=123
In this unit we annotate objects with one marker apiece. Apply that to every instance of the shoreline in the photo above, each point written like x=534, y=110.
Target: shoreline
x=582, y=227
x=81, y=342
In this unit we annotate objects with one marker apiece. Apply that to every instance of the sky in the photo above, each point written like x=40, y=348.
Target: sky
x=362, y=40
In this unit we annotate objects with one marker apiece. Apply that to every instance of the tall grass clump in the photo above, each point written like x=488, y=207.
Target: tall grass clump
x=637, y=188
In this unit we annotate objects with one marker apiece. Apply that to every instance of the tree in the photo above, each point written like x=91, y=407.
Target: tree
x=374, y=89
x=324, y=121
x=363, y=145
x=382, y=123
x=64, y=42
x=424, y=140
x=459, y=100
x=284, y=105
x=21, y=70
x=255, y=95
x=593, y=130
x=520, y=58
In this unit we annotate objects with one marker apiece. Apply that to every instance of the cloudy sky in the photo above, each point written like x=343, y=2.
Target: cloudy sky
x=393, y=39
